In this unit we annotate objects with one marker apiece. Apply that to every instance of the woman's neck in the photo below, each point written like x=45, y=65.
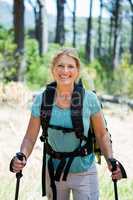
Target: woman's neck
x=63, y=96
x=64, y=90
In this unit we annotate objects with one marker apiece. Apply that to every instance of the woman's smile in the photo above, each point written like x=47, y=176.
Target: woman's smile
x=64, y=77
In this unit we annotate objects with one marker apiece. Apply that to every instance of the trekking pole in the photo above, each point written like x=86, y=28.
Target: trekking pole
x=18, y=176
x=114, y=166
x=115, y=189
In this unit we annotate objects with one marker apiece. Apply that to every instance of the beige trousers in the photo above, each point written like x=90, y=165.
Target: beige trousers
x=82, y=186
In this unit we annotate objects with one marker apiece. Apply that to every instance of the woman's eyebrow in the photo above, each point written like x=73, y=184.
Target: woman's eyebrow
x=68, y=64
x=60, y=63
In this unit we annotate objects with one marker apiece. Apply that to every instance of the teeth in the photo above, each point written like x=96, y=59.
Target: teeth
x=64, y=77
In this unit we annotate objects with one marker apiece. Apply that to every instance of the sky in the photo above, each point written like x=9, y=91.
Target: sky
x=82, y=7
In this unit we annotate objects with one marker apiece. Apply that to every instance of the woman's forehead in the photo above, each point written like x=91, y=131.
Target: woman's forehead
x=65, y=59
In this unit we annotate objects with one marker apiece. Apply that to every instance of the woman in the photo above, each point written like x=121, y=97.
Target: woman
x=82, y=176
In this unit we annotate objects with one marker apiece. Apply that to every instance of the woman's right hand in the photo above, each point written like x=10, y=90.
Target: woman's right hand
x=16, y=165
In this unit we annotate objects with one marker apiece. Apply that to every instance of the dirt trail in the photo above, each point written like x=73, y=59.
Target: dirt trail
x=121, y=129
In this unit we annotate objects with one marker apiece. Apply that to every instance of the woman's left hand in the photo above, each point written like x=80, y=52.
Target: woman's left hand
x=116, y=174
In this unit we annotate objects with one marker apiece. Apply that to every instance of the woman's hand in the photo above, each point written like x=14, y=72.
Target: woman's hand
x=116, y=174
x=116, y=168
x=17, y=164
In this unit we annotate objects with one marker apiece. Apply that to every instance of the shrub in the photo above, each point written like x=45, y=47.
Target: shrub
x=8, y=68
x=38, y=68
x=123, y=78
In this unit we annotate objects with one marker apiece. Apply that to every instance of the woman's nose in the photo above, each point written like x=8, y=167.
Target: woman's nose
x=65, y=69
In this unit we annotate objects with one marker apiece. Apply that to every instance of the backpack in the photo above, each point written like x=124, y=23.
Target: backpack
x=77, y=121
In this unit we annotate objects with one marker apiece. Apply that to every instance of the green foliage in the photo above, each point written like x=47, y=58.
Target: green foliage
x=99, y=74
x=38, y=68
x=122, y=83
x=92, y=74
x=81, y=52
x=7, y=61
x=107, y=187
x=118, y=82
x=33, y=187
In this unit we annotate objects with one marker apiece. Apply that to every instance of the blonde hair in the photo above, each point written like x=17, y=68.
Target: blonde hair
x=68, y=52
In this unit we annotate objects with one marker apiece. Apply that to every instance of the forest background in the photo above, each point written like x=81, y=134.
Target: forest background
x=30, y=36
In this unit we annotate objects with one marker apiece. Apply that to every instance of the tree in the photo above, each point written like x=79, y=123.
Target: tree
x=100, y=29
x=60, y=30
x=74, y=24
x=110, y=35
x=114, y=8
x=43, y=36
x=89, y=30
x=131, y=43
x=110, y=6
x=116, y=29
x=36, y=16
x=73, y=12
x=18, y=22
x=41, y=32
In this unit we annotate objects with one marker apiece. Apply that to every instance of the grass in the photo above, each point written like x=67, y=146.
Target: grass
x=30, y=187
x=125, y=189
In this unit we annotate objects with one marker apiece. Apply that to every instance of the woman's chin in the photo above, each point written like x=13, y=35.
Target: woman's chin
x=65, y=82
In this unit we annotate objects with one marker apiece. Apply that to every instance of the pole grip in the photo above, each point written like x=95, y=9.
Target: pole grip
x=113, y=162
x=20, y=156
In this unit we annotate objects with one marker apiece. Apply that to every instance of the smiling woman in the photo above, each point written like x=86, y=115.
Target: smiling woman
x=65, y=111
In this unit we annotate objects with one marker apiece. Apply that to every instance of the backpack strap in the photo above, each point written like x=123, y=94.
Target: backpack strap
x=46, y=110
x=77, y=111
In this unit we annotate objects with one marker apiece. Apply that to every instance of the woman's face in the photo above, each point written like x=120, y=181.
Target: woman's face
x=65, y=71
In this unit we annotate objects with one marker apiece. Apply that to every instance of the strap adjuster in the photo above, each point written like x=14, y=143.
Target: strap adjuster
x=43, y=138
